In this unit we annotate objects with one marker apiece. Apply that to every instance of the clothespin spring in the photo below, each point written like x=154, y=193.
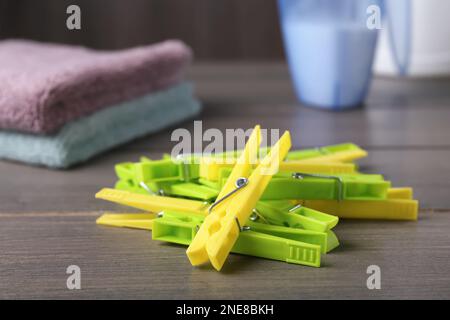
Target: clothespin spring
x=257, y=216
x=295, y=207
x=241, y=229
x=146, y=188
x=240, y=183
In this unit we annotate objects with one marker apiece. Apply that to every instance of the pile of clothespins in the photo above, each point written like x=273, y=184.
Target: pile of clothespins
x=269, y=203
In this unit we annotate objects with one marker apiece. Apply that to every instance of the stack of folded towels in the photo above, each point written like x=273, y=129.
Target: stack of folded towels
x=61, y=105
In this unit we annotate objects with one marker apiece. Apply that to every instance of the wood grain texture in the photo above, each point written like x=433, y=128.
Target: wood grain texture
x=47, y=217
x=35, y=250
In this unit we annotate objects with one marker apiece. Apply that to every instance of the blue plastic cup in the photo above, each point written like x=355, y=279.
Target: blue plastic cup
x=330, y=50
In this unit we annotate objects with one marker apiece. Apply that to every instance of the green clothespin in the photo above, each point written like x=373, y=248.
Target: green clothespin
x=307, y=186
x=326, y=240
x=186, y=209
x=174, y=178
x=183, y=230
x=125, y=171
x=318, y=186
x=211, y=184
x=128, y=185
x=293, y=217
x=192, y=190
x=167, y=170
x=163, y=177
x=184, y=189
x=324, y=187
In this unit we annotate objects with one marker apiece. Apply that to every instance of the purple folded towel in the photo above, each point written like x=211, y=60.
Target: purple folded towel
x=44, y=86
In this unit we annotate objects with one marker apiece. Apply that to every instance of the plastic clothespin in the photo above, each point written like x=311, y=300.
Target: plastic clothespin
x=392, y=208
x=159, y=176
x=163, y=177
x=131, y=186
x=211, y=168
x=308, y=186
x=262, y=152
x=211, y=184
x=167, y=170
x=326, y=240
x=400, y=193
x=183, y=189
x=258, y=244
x=345, y=152
x=235, y=202
x=192, y=190
x=326, y=167
x=125, y=171
x=128, y=181
x=151, y=203
x=142, y=221
x=269, y=247
x=296, y=216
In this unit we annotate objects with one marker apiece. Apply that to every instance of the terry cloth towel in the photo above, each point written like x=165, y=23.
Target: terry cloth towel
x=89, y=136
x=44, y=86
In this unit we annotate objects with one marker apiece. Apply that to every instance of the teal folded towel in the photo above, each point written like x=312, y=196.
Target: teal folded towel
x=80, y=140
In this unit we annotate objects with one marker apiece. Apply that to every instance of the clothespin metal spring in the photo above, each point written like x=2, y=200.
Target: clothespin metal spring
x=240, y=183
x=256, y=215
x=146, y=188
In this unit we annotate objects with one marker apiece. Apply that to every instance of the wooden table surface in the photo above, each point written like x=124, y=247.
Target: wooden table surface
x=47, y=218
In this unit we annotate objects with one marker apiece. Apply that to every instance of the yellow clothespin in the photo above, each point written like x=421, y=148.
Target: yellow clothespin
x=400, y=193
x=129, y=220
x=210, y=167
x=235, y=202
x=346, y=152
x=151, y=203
x=398, y=206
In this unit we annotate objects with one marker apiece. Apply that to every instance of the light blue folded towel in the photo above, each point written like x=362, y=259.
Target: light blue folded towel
x=80, y=140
